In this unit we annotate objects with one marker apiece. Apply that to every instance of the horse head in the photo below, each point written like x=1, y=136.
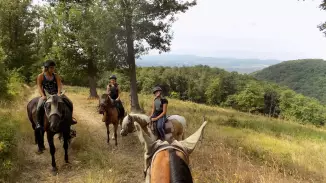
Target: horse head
x=105, y=102
x=166, y=160
x=55, y=111
x=127, y=125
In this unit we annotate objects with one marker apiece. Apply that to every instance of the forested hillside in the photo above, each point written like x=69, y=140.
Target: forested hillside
x=214, y=86
x=307, y=77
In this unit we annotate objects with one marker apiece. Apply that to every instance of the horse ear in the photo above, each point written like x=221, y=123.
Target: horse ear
x=63, y=92
x=190, y=143
x=47, y=94
x=144, y=138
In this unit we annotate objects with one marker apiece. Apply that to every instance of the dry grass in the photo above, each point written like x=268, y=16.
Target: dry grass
x=237, y=147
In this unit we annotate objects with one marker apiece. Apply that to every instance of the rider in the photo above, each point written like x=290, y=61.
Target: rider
x=159, y=110
x=114, y=91
x=50, y=82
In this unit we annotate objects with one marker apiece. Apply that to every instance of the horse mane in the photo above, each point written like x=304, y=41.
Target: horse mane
x=140, y=118
x=180, y=171
x=106, y=97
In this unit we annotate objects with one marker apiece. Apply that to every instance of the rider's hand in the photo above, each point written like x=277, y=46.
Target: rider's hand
x=44, y=97
x=59, y=94
x=153, y=119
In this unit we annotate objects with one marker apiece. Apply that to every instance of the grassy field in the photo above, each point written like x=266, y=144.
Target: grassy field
x=237, y=147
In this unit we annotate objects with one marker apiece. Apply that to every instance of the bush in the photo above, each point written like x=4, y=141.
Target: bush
x=8, y=136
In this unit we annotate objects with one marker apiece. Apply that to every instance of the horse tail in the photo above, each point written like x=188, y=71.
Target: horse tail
x=29, y=108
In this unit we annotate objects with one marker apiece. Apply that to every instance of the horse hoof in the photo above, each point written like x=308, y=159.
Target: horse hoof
x=39, y=152
x=113, y=138
x=54, y=171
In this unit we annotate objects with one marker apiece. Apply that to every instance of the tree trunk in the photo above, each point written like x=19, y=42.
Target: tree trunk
x=135, y=107
x=92, y=81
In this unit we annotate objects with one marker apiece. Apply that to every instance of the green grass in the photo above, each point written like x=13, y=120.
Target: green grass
x=237, y=146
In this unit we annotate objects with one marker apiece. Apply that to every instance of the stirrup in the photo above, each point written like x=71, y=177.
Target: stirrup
x=74, y=121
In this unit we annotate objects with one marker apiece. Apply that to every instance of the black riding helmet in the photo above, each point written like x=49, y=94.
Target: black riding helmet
x=113, y=77
x=49, y=63
x=156, y=88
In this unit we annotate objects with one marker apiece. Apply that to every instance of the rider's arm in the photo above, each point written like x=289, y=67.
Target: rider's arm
x=118, y=88
x=152, y=112
x=108, y=89
x=58, y=78
x=39, y=84
x=165, y=106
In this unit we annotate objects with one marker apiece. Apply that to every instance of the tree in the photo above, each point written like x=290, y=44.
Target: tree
x=147, y=22
x=17, y=35
x=322, y=27
x=83, y=39
x=213, y=93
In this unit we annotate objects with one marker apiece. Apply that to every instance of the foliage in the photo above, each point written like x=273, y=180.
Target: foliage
x=8, y=129
x=215, y=86
x=303, y=76
x=17, y=36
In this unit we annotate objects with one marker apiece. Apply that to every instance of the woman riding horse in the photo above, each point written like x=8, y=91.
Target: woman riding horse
x=114, y=91
x=159, y=109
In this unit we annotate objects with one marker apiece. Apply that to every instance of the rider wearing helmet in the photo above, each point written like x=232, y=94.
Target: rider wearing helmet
x=114, y=91
x=159, y=110
x=46, y=81
x=50, y=82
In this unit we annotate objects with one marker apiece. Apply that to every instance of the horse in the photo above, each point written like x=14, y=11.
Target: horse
x=57, y=119
x=174, y=126
x=110, y=114
x=168, y=162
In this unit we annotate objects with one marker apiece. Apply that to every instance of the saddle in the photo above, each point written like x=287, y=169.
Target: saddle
x=168, y=128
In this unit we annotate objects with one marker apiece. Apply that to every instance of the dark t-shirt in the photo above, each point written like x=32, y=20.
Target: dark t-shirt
x=158, y=105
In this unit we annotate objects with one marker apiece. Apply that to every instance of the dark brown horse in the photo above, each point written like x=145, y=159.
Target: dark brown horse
x=57, y=119
x=110, y=114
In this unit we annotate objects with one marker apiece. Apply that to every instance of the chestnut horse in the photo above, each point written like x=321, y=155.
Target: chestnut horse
x=110, y=115
x=168, y=162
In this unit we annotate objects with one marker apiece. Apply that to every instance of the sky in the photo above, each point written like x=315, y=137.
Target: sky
x=264, y=29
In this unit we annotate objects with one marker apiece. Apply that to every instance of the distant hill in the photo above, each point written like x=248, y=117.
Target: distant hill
x=304, y=76
x=229, y=64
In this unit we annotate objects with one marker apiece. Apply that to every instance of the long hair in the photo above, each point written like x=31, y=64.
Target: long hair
x=44, y=69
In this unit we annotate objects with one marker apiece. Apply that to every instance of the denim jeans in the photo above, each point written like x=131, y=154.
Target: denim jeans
x=160, y=126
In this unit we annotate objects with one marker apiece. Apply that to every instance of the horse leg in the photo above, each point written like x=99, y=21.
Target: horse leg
x=52, y=151
x=35, y=136
x=66, y=137
x=40, y=141
x=115, y=132
x=108, y=131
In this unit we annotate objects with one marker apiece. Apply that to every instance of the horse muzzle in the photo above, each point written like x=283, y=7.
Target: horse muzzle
x=123, y=132
x=54, y=123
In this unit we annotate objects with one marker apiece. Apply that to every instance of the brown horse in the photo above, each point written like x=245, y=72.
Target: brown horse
x=168, y=162
x=110, y=115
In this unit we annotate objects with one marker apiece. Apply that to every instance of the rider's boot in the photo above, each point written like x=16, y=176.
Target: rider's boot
x=38, y=118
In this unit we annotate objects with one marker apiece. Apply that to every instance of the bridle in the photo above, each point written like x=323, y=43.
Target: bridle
x=158, y=150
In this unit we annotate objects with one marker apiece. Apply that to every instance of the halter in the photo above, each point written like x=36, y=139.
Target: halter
x=163, y=147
